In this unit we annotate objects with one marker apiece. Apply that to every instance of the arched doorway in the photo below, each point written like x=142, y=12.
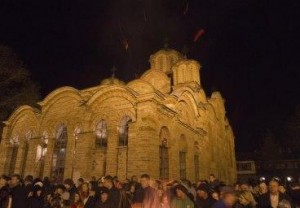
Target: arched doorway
x=59, y=152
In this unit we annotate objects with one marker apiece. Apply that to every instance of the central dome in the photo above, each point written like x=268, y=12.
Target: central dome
x=164, y=59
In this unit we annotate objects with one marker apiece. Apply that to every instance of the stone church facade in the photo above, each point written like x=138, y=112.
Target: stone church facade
x=162, y=123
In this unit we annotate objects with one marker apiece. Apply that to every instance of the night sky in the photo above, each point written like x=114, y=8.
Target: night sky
x=249, y=51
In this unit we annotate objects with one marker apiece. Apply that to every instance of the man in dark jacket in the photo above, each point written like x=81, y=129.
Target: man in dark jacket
x=203, y=199
x=19, y=195
x=114, y=194
x=273, y=197
x=4, y=191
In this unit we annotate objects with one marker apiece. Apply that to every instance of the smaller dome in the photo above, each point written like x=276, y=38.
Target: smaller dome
x=112, y=81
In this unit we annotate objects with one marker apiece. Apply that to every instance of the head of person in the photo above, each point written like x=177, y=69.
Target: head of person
x=37, y=191
x=202, y=191
x=244, y=187
x=145, y=180
x=263, y=188
x=274, y=187
x=77, y=197
x=212, y=177
x=104, y=195
x=3, y=180
x=246, y=198
x=60, y=189
x=228, y=196
x=165, y=200
x=68, y=183
x=181, y=191
x=215, y=195
x=85, y=187
x=28, y=180
x=80, y=181
x=108, y=182
x=134, y=179
x=281, y=189
x=15, y=180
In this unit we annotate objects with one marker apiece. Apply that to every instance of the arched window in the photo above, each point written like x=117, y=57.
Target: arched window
x=14, y=152
x=182, y=157
x=28, y=136
x=123, y=130
x=196, y=161
x=164, y=153
x=59, y=152
x=101, y=135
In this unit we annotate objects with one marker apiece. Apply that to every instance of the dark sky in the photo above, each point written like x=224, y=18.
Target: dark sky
x=249, y=52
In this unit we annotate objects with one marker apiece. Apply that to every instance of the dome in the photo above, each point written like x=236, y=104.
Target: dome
x=164, y=59
x=112, y=81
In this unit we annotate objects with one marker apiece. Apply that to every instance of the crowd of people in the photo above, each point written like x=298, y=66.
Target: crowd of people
x=109, y=192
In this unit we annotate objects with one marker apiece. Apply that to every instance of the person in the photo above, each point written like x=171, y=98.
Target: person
x=37, y=198
x=182, y=200
x=246, y=200
x=90, y=201
x=165, y=202
x=273, y=197
x=228, y=198
x=70, y=189
x=19, y=195
x=80, y=181
x=146, y=196
x=203, y=199
x=4, y=191
x=263, y=188
x=213, y=182
x=114, y=194
x=77, y=201
x=28, y=180
x=103, y=202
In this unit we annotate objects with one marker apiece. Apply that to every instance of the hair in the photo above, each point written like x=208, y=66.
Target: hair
x=274, y=180
x=248, y=196
x=145, y=176
x=28, y=178
x=16, y=176
x=109, y=178
x=5, y=177
x=80, y=180
x=213, y=175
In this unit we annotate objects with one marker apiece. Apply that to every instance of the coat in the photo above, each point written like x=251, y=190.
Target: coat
x=19, y=197
x=4, y=196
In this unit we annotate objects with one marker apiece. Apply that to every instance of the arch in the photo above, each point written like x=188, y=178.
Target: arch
x=164, y=134
x=61, y=93
x=56, y=94
x=21, y=115
x=113, y=91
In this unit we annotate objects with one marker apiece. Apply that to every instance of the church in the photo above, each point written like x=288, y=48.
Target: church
x=162, y=123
